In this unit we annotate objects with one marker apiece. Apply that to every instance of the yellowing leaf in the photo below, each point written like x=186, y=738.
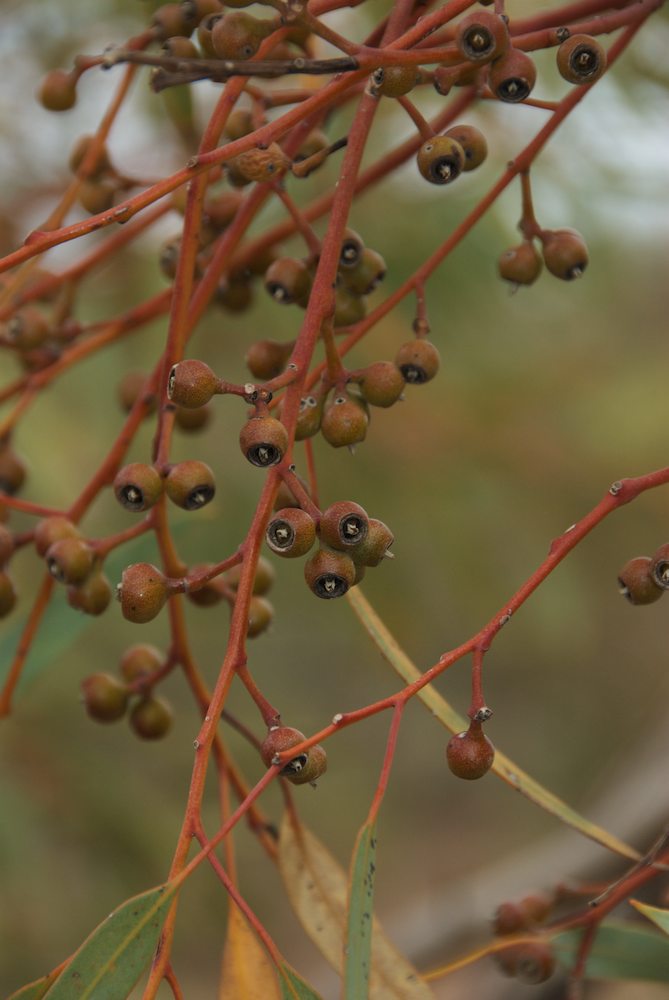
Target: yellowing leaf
x=446, y=714
x=317, y=887
x=658, y=916
x=247, y=973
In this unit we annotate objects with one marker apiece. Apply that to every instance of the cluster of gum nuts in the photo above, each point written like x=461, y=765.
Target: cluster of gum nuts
x=107, y=698
x=531, y=962
x=340, y=413
x=644, y=579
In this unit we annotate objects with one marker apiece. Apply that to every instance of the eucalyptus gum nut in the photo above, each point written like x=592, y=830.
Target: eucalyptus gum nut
x=263, y=440
x=171, y=19
x=315, y=767
x=470, y=754
x=309, y=417
x=352, y=246
x=97, y=195
x=239, y=124
x=565, y=253
x=535, y=962
x=314, y=143
x=209, y=593
x=350, y=307
x=190, y=484
x=659, y=567
x=260, y=164
x=191, y=421
x=266, y=359
x=261, y=614
x=191, y=383
x=512, y=76
x=366, y=275
x=105, y=698
x=257, y=264
x=70, y=560
x=514, y=917
x=142, y=592
x=521, y=265
x=221, y=209
x=151, y=718
x=27, y=328
x=482, y=37
x=509, y=918
x=6, y=545
x=381, y=383
x=278, y=739
x=581, y=59
x=234, y=294
x=288, y=280
x=536, y=907
x=285, y=498
x=52, y=529
x=329, y=574
x=473, y=142
x=291, y=532
x=374, y=547
x=79, y=151
x=180, y=48
x=418, y=360
x=344, y=422
x=238, y=35
x=131, y=387
x=196, y=10
x=263, y=579
x=140, y=660
x=57, y=91
x=343, y=525
x=137, y=486
x=12, y=470
x=395, y=81
x=204, y=30
x=441, y=160
x=7, y=594
x=637, y=583
x=93, y=596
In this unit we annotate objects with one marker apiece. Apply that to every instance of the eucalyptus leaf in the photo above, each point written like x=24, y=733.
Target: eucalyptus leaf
x=110, y=961
x=658, y=916
x=620, y=951
x=358, y=950
x=35, y=990
x=293, y=987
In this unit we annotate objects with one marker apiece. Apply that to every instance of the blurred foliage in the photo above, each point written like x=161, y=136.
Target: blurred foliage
x=544, y=398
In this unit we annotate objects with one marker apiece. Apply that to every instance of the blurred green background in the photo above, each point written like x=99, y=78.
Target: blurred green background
x=544, y=398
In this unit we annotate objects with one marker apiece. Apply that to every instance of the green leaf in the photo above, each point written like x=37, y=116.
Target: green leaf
x=654, y=913
x=620, y=951
x=110, y=961
x=35, y=990
x=293, y=987
x=358, y=948
x=503, y=767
